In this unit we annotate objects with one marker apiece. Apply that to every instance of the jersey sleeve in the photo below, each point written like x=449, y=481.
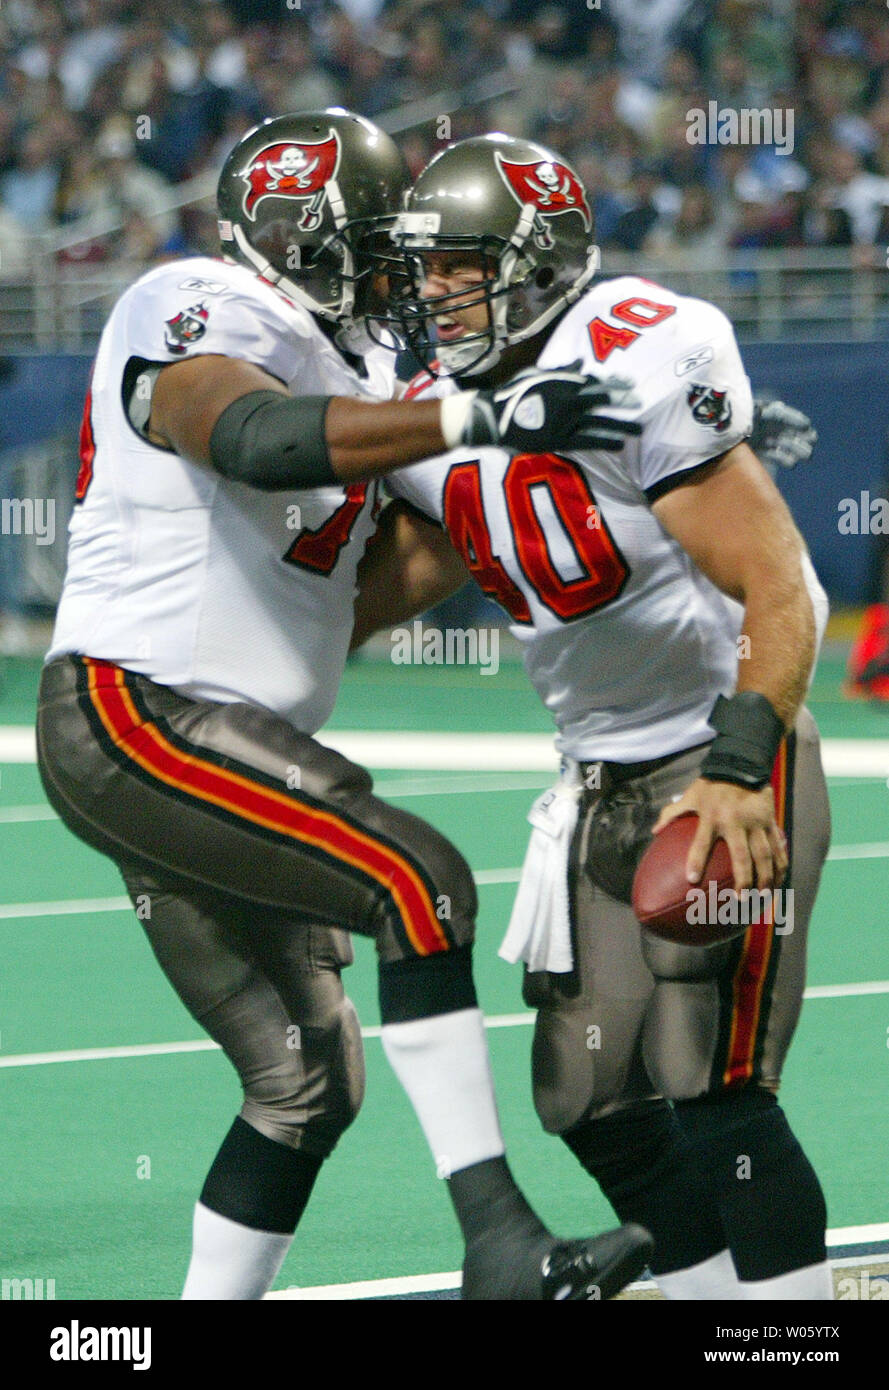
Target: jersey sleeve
x=173, y=316
x=686, y=369
x=700, y=406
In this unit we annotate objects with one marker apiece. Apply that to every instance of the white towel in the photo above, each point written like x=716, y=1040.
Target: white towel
x=539, y=931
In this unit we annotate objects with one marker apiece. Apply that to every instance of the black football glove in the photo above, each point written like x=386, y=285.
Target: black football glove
x=537, y=411
x=781, y=436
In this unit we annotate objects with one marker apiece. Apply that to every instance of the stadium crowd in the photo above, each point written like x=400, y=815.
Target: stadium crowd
x=107, y=104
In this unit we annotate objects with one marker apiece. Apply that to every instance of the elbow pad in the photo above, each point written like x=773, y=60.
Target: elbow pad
x=273, y=442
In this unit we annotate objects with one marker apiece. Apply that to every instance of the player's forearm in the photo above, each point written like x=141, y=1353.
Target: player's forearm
x=364, y=438
x=242, y=422
x=235, y=418
x=777, y=646
x=409, y=566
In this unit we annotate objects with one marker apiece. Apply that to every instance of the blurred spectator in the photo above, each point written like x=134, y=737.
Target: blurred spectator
x=697, y=238
x=646, y=29
x=126, y=188
x=95, y=42
x=862, y=196
x=14, y=261
x=28, y=190
x=650, y=201
x=753, y=35
x=823, y=223
x=373, y=87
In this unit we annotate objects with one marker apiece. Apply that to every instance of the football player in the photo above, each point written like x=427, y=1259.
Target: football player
x=669, y=614
x=229, y=443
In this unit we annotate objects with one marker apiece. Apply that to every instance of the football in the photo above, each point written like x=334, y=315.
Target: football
x=666, y=904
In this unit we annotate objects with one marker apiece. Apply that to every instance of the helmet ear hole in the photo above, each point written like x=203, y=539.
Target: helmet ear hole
x=544, y=277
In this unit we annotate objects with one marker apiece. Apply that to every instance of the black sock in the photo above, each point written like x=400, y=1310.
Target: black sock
x=421, y=986
x=258, y=1182
x=642, y=1160
x=486, y=1194
x=770, y=1199
x=505, y=1241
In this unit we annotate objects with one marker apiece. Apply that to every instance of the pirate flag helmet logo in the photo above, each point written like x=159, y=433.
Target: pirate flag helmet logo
x=551, y=187
x=293, y=170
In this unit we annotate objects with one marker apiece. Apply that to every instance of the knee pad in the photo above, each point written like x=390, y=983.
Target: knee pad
x=421, y=986
x=434, y=914
x=581, y=1065
x=307, y=1098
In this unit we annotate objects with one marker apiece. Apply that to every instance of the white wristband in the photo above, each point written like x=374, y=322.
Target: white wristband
x=455, y=412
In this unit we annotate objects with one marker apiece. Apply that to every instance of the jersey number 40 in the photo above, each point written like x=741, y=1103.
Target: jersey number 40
x=604, y=571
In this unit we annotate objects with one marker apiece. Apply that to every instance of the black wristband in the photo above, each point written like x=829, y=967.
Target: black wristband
x=273, y=442
x=748, y=736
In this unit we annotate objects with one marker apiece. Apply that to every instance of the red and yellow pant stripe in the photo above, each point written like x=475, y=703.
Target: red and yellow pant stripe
x=144, y=743
x=752, y=972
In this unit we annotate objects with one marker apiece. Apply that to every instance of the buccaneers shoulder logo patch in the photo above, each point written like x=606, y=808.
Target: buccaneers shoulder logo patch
x=292, y=170
x=710, y=407
x=186, y=328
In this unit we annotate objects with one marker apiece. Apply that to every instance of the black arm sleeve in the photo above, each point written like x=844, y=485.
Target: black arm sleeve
x=273, y=442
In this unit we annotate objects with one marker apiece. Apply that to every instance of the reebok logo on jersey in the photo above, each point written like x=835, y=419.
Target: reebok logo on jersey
x=292, y=170
x=186, y=328
x=194, y=282
x=710, y=407
x=697, y=358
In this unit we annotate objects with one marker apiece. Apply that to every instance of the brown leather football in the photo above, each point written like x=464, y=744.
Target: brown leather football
x=666, y=904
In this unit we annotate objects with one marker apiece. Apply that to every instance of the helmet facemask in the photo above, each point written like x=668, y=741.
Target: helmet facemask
x=518, y=291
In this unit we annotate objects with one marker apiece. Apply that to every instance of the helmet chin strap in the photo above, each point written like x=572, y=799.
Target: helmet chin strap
x=352, y=336
x=459, y=359
x=263, y=267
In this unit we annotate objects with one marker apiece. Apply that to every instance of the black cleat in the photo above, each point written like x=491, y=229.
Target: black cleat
x=581, y=1271
x=504, y=1265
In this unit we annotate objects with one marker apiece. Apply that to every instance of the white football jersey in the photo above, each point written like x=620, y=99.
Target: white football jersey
x=626, y=641
x=214, y=588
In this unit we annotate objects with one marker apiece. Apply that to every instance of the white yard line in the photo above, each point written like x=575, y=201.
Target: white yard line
x=435, y=1283
x=523, y=1020
x=456, y=751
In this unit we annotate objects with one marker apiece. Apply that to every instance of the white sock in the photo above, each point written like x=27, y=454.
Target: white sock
x=231, y=1261
x=443, y=1064
x=713, y=1278
x=814, y=1283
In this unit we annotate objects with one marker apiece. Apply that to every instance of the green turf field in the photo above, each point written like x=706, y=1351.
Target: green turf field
x=102, y=1156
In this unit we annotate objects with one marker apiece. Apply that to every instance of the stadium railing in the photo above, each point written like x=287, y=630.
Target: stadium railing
x=59, y=304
